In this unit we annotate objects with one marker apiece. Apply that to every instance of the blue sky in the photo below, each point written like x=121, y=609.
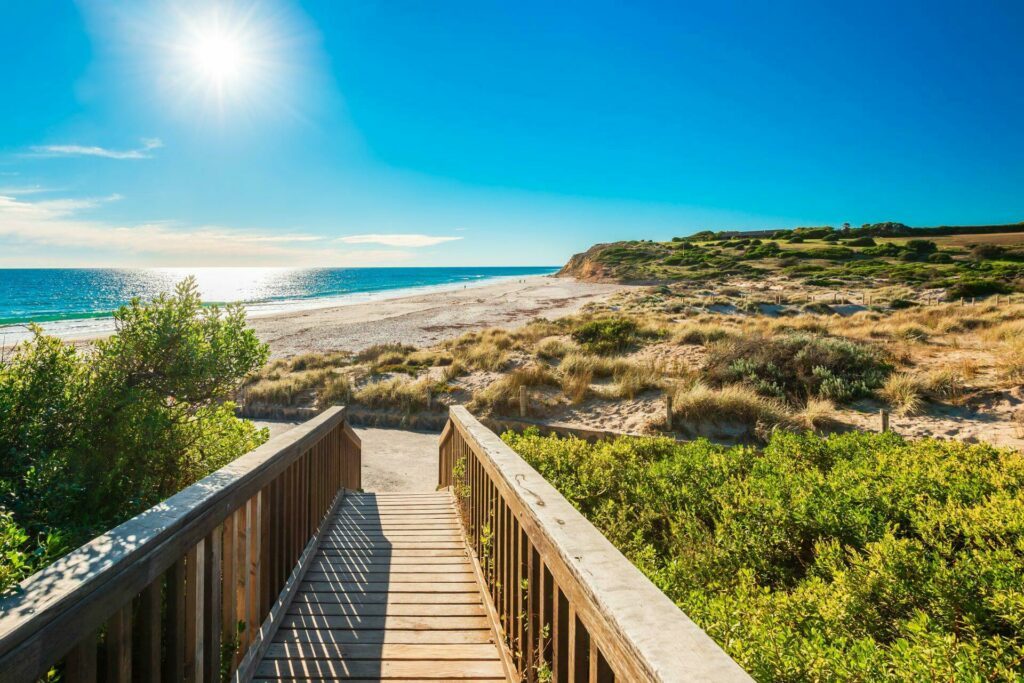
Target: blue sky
x=265, y=132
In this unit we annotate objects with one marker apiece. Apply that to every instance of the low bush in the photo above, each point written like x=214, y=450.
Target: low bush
x=798, y=366
x=606, y=336
x=971, y=288
x=920, y=246
x=853, y=557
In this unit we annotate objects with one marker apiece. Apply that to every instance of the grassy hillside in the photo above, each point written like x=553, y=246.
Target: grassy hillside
x=967, y=265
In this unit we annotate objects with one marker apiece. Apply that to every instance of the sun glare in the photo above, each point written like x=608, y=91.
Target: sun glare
x=218, y=57
x=227, y=55
x=229, y=60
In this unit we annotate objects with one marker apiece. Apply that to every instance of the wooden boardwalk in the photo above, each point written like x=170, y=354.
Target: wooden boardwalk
x=390, y=594
x=270, y=569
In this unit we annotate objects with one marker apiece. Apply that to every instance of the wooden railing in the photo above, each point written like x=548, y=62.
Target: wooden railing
x=190, y=589
x=569, y=605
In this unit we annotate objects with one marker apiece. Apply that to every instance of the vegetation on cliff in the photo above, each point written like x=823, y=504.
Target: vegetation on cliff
x=964, y=265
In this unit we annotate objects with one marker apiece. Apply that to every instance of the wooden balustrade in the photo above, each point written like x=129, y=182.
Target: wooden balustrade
x=569, y=606
x=190, y=589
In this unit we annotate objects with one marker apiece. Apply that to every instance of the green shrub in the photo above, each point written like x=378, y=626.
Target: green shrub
x=833, y=253
x=852, y=557
x=797, y=366
x=606, y=335
x=921, y=246
x=861, y=242
x=91, y=437
x=969, y=288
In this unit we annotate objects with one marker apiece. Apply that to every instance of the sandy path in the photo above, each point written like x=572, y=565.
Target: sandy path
x=426, y=319
x=397, y=460
x=393, y=459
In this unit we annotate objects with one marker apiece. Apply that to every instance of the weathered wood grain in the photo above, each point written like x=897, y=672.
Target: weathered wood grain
x=382, y=601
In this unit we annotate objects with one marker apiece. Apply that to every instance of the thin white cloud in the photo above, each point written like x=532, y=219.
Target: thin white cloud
x=143, y=152
x=407, y=240
x=21, y=190
x=51, y=233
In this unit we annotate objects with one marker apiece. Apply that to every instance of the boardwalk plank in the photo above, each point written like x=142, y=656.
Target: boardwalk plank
x=389, y=598
x=343, y=669
x=386, y=587
x=390, y=595
x=376, y=623
x=389, y=609
x=373, y=651
x=381, y=636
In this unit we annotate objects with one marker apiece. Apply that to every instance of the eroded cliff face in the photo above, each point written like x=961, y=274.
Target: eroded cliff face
x=586, y=266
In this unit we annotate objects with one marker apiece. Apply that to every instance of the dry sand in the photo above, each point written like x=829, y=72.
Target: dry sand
x=393, y=459
x=426, y=319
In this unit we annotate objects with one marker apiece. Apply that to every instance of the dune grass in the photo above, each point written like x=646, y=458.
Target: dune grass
x=402, y=393
x=284, y=389
x=699, y=403
x=504, y=391
x=904, y=392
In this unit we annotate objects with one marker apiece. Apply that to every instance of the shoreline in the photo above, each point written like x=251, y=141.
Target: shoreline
x=91, y=327
x=420, y=316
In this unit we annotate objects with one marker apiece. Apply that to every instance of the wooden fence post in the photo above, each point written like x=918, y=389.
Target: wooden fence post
x=522, y=401
x=668, y=412
x=884, y=415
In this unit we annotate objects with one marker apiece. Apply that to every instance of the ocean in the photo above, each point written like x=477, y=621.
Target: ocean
x=79, y=302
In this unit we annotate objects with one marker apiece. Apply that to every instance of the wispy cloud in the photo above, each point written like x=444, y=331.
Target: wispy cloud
x=52, y=233
x=408, y=240
x=21, y=190
x=143, y=152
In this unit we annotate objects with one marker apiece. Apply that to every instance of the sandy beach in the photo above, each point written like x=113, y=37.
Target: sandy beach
x=418, y=319
x=426, y=318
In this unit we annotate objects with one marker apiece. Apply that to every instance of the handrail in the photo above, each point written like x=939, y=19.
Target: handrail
x=571, y=606
x=189, y=582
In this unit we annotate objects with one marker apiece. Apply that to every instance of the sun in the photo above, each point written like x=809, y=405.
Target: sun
x=229, y=60
x=219, y=57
